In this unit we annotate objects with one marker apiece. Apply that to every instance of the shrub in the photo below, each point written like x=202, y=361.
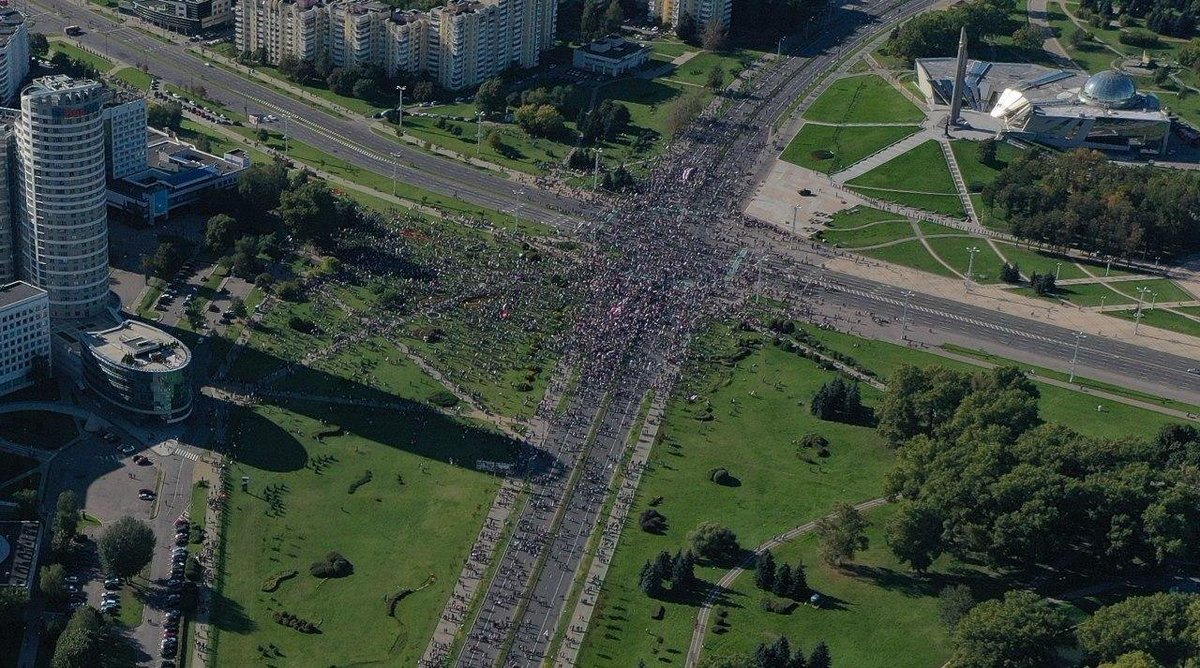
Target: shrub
x=443, y=398
x=1139, y=37
x=272, y=583
x=776, y=605
x=721, y=476
x=652, y=521
x=362, y=480
x=333, y=566
x=289, y=620
x=822, y=154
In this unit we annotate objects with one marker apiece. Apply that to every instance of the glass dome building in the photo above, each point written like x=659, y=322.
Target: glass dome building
x=1110, y=89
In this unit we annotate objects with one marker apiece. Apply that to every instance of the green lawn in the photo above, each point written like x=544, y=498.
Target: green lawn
x=910, y=254
x=1084, y=294
x=876, y=233
x=354, y=104
x=1160, y=290
x=858, y=216
x=39, y=429
x=101, y=63
x=847, y=145
x=756, y=422
x=949, y=205
x=134, y=77
x=364, y=369
x=953, y=250
x=695, y=71
x=1163, y=319
x=671, y=48
x=1035, y=261
x=923, y=169
x=409, y=527
x=975, y=173
x=866, y=98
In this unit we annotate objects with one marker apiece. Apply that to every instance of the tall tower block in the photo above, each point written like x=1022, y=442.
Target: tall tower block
x=960, y=76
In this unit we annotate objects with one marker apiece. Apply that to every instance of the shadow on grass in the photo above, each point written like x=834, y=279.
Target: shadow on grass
x=229, y=615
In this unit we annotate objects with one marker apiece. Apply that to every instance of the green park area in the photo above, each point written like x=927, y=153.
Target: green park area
x=97, y=62
x=134, y=77
x=1173, y=320
x=831, y=148
x=865, y=98
x=743, y=407
x=394, y=495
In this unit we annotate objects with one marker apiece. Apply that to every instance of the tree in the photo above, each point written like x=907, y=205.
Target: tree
x=716, y=78
x=652, y=521
x=12, y=614
x=81, y=643
x=650, y=579
x=1043, y=284
x=716, y=38
x=244, y=262
x=27, y=503
x=237, y=306
x=341, y=80
x=39, y=46
x=681, y=112
x=1133, y=660
x=1010, y=273
x=714, y=542
x=1162, y=625
x=167, y=259
x=764, y=571
x=66, y=515
x=954, y=602
x=842, y=534
x=686, y=28
x=220, y=232
x=126, y=547
x=613, y=16
x=1019, y=631
x=490, y=97
x=783, y=580
x=915, y=535
x=683, y=571
x=838, y=400
x=261, y=186
x=820, y=657
x=591, y=22
x=309, y=212
x=1081, y=36
x=919, y=400
x=540, y=120
x=1028, y=37
x=167, y=116
x=986, y=151
x=52, y=580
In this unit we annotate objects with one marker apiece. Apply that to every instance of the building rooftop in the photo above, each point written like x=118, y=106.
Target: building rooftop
x=10, y=21
x=613, y=46
x=18, y=553
x=174, y=164
x=985, y=81
x=18, y=291
x=57, y=83
x=138, y=346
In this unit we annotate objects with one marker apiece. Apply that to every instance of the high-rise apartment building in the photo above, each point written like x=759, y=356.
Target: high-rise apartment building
x=702, y=12
x=459, y=44
x=61, y=195
x=14, y=53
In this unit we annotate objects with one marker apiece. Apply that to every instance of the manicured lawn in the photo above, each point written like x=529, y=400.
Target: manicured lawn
x=695, y=71
x=1161, y=290
x=671, y=48
x=352, y=103
x=953, y=250
x=921, y=169
x=648, y=100
x=524, y=154
x=756, y=421
x=39, y=429
x=365, y=369
x=1083, y=294
x=409, y=527
x=858, y=216
x=865, y=98
x=134, y=77
x=910, y=254
x=949, y=205
x=976, y=174
x=872, y=604
x=847, y=145
x=101, y=63
x=1035, y=261
x=876, y=233
x=1164, y=319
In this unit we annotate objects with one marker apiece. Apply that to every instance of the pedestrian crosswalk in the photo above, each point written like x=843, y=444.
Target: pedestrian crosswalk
x=188, y=453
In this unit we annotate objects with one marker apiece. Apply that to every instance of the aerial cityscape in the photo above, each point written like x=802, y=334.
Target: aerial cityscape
x=599, y=333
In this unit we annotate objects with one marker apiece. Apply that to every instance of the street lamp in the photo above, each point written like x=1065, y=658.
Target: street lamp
x=795, y=213
x=907, y=294
x=517, y=209
x=1057, y=268
x=1079, y=336
x=596, y=169
x=395, y=160
x=400, y=108
x=972, y=251
x=478, y=130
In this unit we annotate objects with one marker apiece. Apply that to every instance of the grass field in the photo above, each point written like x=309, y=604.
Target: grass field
x=100, y=63
x=923, y=169
x=863, y=99
x=409, y=527
x=1035, y=261
x=847, y=145
x=695, y=70
x=134, y=77
x=975, y=173
x=953, y=250
x=877, y=233
x=910, y=254
x=949, y=205
x=858, y=216
x=1082, y=294
x=1163, y=319
x=753, y=435
x=365, y=369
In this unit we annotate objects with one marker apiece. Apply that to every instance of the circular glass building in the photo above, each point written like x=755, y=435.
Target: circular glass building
x=1110, y=89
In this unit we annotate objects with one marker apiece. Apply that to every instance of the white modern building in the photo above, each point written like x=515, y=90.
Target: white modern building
x=14, y=53
x=459, y=44
x=613, y=56
x=702, y=12
x=190, y=17
x=24, y=335
x=61, y=195
x=125, y=136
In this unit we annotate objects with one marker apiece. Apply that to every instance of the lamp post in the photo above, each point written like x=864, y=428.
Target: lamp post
x=1057, y=268
x=517, y=209
x=478, y=130
x=596, y=169
x=1138, y=315
x=795, y=213
x=1079, y=336
x=907, y=294
x=972, y=251
x=400, y=108
x=395, y=160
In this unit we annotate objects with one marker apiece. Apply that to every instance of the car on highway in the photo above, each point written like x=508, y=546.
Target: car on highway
x=127, y=449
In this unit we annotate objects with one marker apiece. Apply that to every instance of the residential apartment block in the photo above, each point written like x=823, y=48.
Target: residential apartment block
x=702, y=11
x=459, y=44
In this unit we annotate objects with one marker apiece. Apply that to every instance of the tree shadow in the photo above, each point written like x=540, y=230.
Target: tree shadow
x=229, y=615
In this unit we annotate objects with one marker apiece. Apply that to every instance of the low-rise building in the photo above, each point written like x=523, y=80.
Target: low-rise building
x=24, y=335
x=613, y=55
x=139, y=369
x=176, y=174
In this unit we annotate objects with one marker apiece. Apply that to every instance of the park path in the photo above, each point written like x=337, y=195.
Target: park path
x=1038, y=16
x=693, y=656
x=960, y=186
x=879, y=157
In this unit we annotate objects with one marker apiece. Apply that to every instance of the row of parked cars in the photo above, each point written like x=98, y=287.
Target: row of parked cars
x=169, y=647
x=188, y=105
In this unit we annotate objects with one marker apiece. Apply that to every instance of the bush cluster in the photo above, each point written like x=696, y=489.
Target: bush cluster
x=362, y=480
x=333, y=566
x=292, y=621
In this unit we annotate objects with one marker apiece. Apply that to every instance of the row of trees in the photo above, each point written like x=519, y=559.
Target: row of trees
x=841, y=401
x=778, y=654
x=368, y=82
x=1177, y=18
x=934, y=34
x=679, y=571
x=1081, y=199
x=780, y=579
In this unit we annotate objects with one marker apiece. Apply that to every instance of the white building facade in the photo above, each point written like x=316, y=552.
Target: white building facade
x=61, y=196
x=24, y=335
x=14, y=53
x=702, y=11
